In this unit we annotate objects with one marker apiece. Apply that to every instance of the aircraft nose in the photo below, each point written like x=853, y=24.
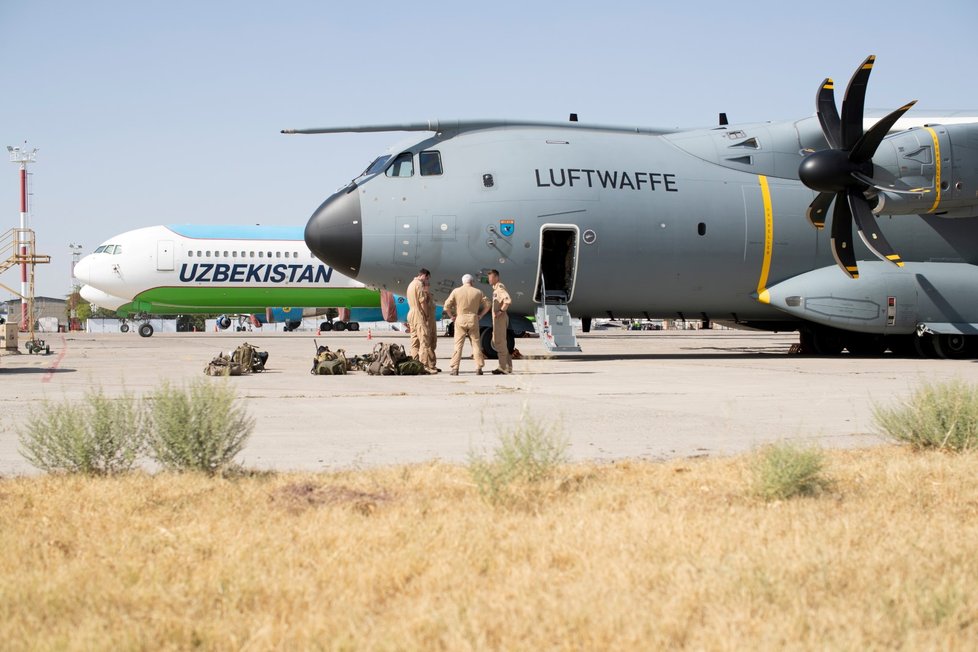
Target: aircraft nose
x=334, y=233
x=83, y=270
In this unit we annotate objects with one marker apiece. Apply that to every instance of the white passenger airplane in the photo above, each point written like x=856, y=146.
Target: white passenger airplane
x=262, y=270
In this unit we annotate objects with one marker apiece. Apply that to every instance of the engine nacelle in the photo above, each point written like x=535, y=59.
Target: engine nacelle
x=936, y=297
x=942, y=159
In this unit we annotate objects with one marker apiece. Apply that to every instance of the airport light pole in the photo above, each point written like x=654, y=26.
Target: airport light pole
x=76, y=250
x=22, y=157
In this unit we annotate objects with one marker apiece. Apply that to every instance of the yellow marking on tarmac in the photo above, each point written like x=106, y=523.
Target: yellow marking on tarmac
x=762, y=294
x=937, y=169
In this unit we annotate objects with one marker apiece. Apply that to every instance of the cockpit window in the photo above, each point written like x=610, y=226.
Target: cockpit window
x=403, y=166
x=118, y=249
x=430, y=163
x=376, y=166
x=100, y=249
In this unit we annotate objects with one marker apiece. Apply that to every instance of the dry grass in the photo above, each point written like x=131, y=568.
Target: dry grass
x=629, y=556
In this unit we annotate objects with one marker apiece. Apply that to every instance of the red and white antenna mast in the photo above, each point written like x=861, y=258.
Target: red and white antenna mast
x=23, y=156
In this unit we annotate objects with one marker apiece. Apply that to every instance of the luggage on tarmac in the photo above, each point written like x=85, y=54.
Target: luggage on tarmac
x=386, y=358
x=329, y=363
x=245, y=359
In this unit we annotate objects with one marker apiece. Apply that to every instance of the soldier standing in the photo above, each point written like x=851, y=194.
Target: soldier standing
x=418, y=300
x=467, y=305
x=500, y=322
x=432, y=329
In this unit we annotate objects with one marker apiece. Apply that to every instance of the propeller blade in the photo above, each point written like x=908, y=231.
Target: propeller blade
x=869, y=229
x=842, y=249
x=853, y=104
x=828, y=115
x=819, y=208
x=866, y=146
x=897, y=186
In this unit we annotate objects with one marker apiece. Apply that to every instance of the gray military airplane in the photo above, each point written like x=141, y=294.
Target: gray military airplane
x=715, y=223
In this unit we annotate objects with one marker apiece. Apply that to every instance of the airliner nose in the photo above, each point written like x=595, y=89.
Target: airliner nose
x=334, y=233
x=83, y=270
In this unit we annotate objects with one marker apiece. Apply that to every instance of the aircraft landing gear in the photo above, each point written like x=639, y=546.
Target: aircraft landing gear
x=486, y=339
x=123, y=327
x=145, y=329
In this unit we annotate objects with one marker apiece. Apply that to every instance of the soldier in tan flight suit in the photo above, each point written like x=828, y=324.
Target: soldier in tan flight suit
x=418, y=301
x=500, y=322
x=432, y=329
x=467, y=305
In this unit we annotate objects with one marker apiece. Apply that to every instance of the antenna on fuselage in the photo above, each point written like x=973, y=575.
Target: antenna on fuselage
x=723, y=120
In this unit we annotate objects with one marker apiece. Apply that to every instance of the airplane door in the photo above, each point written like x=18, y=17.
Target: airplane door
x=557, y=268
x=164, y=255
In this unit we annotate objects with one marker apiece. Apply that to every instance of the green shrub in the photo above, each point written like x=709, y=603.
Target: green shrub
x=939, y=415
x=787, y=470
x=196, y=429
x=97, y=436
x=523, y=458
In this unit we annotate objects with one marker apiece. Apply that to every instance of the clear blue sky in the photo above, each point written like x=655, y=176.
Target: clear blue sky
x=156, y=112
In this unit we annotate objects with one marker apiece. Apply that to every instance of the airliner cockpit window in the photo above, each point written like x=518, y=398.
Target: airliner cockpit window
x=376, y=166
x=118, y=249
x=99, y=250
x=430, y=163
x=403, y=166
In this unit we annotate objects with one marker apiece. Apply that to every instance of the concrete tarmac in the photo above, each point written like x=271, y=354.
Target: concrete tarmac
x=650, y=395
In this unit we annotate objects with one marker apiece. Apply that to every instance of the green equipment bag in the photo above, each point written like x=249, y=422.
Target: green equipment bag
x=327, y=363
x=411, y=367
x=334, y=367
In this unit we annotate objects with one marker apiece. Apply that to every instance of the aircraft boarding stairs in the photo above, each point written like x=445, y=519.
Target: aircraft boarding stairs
x=553, y=321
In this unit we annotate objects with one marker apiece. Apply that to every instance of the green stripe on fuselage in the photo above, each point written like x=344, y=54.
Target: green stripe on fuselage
x=167, y=300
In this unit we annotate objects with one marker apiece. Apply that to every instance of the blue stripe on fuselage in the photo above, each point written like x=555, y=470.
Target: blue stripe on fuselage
x=223, y=232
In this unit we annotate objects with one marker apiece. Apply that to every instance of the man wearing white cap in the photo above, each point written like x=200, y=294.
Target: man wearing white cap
x=466, y=305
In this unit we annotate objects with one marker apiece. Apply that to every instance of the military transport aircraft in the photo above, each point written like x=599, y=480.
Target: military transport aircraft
x=236, y=269
x=723, y=223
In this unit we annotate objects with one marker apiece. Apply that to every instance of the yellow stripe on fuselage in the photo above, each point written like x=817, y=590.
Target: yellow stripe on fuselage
x=762, y=294
x=937, y=169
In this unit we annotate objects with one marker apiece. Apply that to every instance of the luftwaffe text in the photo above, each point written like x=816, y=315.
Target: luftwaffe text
x=612, y=179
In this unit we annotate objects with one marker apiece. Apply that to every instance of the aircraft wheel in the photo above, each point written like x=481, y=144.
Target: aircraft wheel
x=339, y=325
x=325, y=327
x=353, y=326
x=953, y=346
x=145, y=330
x=827, y=342
x=124, y=328
x=485, y=337
x=925, y=346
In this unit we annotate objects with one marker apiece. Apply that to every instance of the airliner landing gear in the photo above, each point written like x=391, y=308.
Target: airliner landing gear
x=123, y=327
x=146, y=329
